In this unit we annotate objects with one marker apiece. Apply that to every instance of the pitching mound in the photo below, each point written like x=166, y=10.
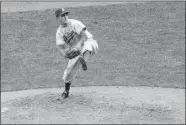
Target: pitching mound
x=99, y=105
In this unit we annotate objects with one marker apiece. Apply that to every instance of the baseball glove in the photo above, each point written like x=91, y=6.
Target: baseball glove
x=72, y=53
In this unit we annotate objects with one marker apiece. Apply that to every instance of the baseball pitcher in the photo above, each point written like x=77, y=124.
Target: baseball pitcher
x=76, y=43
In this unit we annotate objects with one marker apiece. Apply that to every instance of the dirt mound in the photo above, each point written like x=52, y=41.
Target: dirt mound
x=114, y=105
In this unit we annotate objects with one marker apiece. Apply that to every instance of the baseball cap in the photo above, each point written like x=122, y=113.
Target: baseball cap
x=60, y=12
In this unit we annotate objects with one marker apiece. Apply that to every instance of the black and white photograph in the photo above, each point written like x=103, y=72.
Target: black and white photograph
x=93, y=62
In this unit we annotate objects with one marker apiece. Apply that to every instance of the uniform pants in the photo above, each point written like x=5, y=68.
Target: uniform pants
x=74, y=64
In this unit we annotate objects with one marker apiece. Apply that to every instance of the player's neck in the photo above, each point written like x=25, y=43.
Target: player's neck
x=64, y=25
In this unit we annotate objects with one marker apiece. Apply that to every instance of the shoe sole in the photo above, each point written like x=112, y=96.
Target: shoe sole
x=61, y=98
x=84, y=65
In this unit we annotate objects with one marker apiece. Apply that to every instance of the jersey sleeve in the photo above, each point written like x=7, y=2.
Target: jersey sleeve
x=59, y=39
x=78, y=27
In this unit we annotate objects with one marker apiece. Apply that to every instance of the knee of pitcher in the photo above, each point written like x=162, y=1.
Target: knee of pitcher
x=66, y=79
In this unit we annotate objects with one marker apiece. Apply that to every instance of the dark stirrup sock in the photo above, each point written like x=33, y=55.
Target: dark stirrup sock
x=67, y=86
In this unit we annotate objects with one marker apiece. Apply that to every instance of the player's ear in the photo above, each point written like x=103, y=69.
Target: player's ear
x=57, y=19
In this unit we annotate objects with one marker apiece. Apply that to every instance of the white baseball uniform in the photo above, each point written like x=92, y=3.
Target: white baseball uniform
x=90, y=45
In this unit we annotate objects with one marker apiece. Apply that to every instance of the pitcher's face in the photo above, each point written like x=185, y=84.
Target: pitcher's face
x=62, y=19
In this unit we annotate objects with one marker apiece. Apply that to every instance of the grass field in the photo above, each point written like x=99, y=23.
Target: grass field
x=141, y=44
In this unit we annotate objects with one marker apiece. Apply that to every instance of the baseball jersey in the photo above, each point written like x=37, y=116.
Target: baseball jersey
x=72, y=26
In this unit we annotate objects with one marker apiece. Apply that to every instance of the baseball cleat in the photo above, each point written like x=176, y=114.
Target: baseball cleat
x=64, y=95
x=84, y=64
